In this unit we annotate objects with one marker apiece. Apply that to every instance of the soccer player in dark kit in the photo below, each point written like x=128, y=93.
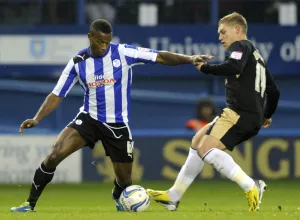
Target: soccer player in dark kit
x=248, y=83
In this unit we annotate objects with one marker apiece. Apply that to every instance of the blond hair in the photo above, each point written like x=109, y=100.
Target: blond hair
x=235, y=19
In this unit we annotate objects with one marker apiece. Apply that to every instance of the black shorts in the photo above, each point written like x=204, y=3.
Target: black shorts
x=115, y=137
x=232, y=128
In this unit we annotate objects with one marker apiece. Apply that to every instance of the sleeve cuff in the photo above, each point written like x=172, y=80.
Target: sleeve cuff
x=205, y=68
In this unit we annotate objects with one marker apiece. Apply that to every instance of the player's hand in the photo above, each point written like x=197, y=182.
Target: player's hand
x=207, y=57
x=29, y=123
x=198, y=65
x=198, y=60
x=201, y=58
x=267, y=123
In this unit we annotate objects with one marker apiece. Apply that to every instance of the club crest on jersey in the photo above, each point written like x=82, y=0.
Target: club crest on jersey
x=116, y=62
x=78, y=122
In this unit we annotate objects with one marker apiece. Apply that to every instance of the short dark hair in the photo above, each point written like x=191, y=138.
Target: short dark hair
x=101, y=25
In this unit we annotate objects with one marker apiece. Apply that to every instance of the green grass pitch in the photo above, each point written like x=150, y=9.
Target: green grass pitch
x=204, y=200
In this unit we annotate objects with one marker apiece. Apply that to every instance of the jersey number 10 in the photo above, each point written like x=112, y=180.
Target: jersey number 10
x=260, y=78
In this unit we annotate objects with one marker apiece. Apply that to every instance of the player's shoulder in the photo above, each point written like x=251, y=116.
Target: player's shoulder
x=248, y=44
x=242, y=45
x=81, y=55
x=115, y=45
x=242, y=48
x=236, y=46
x=140, y=48
x=125, y=47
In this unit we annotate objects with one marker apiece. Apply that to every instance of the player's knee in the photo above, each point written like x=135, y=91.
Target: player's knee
x=198, y=137
x=51, y=161
x=196, y=140
x=202, y=150
x=54, y=158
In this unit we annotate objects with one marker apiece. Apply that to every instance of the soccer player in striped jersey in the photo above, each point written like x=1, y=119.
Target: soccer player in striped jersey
x=248, y=84
x=104, y=71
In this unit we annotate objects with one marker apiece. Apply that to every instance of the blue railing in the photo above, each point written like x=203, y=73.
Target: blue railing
x=138, y=94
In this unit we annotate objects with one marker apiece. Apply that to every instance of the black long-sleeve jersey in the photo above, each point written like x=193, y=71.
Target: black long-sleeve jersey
x=248, y=80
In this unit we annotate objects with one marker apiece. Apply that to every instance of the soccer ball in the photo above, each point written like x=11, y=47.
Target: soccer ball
x=135, y=198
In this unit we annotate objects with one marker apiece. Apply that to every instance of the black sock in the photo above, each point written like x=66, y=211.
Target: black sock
x=42, y=177
x=118, y=189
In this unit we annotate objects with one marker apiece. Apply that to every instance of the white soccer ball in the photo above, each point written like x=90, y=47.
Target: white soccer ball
x=135, y=198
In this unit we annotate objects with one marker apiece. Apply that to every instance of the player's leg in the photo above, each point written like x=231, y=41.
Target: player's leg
x=123, y=171
x=188, y=172
x=123, y=179
x=226, y=133
x=118, y=145
x=211, y=151
x=260, y=184
x=68, y=141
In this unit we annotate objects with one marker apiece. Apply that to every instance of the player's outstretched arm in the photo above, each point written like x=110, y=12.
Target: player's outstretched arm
x=227, y=68
x=50, y=104
x=234, y=65
x=173, y=59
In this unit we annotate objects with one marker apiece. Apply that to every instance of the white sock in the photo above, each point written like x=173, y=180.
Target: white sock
x=224, y=164
x=192, y=167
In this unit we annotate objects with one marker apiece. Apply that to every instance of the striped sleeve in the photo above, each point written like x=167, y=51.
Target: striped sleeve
x=66, y=81
x=139, y=55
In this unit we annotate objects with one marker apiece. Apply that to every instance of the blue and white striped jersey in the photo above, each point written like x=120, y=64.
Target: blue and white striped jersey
x=106, y=81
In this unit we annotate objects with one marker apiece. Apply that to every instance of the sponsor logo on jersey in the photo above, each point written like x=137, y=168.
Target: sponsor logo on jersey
x=237, y=55
x=102, y=82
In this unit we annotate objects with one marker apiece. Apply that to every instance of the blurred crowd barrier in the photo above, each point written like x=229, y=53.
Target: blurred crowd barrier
x=132, y=11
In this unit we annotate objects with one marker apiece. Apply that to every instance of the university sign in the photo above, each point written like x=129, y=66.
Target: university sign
x=51, y=48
